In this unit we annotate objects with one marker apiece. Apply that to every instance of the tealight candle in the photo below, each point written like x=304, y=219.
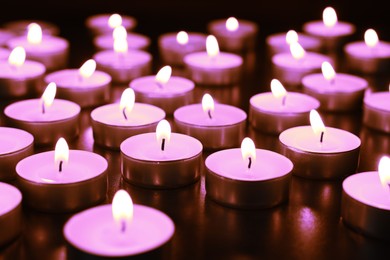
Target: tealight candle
x=45, y=118
x=275, y=111
x=20, y=27
x=174, y=46
x=51, y=51
x=120, y=229
x=106, y=23
x=15, y=144
x=84, y=86
x=5, y=35
x=320, y=152
x=164, y=91
x=291, y=67
x=248, y=177
x=4, y=53
x=62, y=180
x=214, y=125
x=170, y=162
x=336, y=92
x=113, y=123
x=10, y=213
x=332, y=33
x=234, y=35
x=376, y=111
x=18, y=77
x=365, y=204
x=371, y=56
x=214, y=67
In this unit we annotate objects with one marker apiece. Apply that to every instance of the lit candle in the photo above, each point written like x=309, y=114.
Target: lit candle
x=84, y=86
x=214, y=67
x=173, y=161
x=106, y=23
x=62, y=180
x=120, y=229
x=20, y=77
x=365, y=204
x=248, y=177
x=163, y=90
x=275, y=111
x=20, y=27
x=46, y=118
x=320, y=152
x=214, y=125
x=51, y=51
x=336, y=92
x=376, y=111
x=113, y=123
x=370, y=56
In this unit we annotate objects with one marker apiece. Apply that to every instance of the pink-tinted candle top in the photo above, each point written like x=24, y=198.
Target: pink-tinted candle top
x=232, y=27
x=12, y=140
x=10, y=198
x=379, y=100
x=5, y=36
x=4, y=53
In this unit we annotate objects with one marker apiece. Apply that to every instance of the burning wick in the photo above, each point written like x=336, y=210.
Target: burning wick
x=322, y=137
x=43, y=108
x=250, y=162
x=60, y=166
x=163, y=144
x=209, y=113
x=124, y=113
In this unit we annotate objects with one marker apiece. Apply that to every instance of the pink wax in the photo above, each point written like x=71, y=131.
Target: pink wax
x=21, y=27
x=70, y=78
x=135, y=41
x=4, y=54
x=30, y=69
x=277, y=43
x=5, y=36
x=318, y=28
x=13, y=139
x=310, y=61
x=222, y=61
x=10, y=198
x=342, y=83
x=379, y=101
x=98, y=24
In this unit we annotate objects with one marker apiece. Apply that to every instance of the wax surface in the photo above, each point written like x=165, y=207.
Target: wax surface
x=175, y=85
x=343, y=83
x=134, y=41
x=13, y=139
x=141, y=114
x=70, y=78
x=30, y=110
x=244, y=28
x=311, y=60
x=101, y=21
x=334, y=141
x=179, y=147
x=223, y=115
x=196, y=42
x=82, y=165
x=10, y=198
x=4, y=54
x=230, y=164
x=360, y=49
x=379, y=100
x=20, y=27
x=5, y=36
x=222, y=61
x=132, y=58
x=339, y=29
x=367, y=188
x=278, y=41
x=295, y=103
x=29, y=69
x=49, y=44
x=94, y=231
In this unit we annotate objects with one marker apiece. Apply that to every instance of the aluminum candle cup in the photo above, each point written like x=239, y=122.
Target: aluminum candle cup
x=178, y=165
x=81, y=183
x=376, y=111
x=20, y=27
x=10, y=213
x=265, y=184
x=60, y=120
x=135, y=41
x=98, y=24
x=15, y=144
x=276, y=43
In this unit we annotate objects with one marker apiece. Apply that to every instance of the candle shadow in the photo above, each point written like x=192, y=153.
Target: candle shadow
x=12, y=250
x=350, y=122
x=263, y=140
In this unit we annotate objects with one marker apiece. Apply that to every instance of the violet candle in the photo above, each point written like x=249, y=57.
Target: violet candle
x=113, y=123
x=62, y=180
x=45, y=118
x=170, y=162
x=376, y=111
x=20, y=27
x=336, y=92
x=10, y=213
x=84, y=86
x=106, y=23
x=120, y=229
x=164, y=91
x=248, y=177
x=214, y=67
x=4, y=53
x=214, y=125
x=320, y=152
x=275, y=111
x=5, y=35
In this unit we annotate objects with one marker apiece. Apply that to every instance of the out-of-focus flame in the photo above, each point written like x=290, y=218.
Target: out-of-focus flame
x=371, y=38
x=327, y=71
x=49, y=95
x=212, y=47
x=163, y=75
x=182, y=38
x=34, y=33
x=120, y=45
x=87, y=69
x=297, y=50
x=277, y=89
x=291, y=36
x=329, y=17
x=119, y=33
x=232, y=24
x=114, y=21
x=17, y=57
x=122, y=210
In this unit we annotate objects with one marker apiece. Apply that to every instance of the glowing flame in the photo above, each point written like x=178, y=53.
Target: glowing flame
x=48, y=95
x=114, y=21
x=291, y=36
x=329, y=17
x=61, y=153
x=384, y=171
x=17, y=57
x=248, y=151
x=120, y=45
x=316, y=123
x=127, y=101
x=371, y=38
x=297, y=50
x=119, y=33
x=34, y=34
x=163, y=133
x=163, y=75
x=212, y=46
x=122, y=209
x=328, y=71
x=232, y=24
x=277, y=89
x=87, y=69
x=208, y=104
x=182, y=38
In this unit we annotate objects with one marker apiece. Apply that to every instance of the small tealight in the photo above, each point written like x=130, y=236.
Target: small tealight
x=20, y=27
x=376, y=111
x=106, y=23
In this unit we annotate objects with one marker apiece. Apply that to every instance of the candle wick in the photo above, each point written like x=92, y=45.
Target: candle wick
x=60, y=166
x=163, y=144
x=43, y=108
x=322, y=137
x=124, y=113
x=250, y=162
x=123, y=227
x=209, y=113
x=284, y=100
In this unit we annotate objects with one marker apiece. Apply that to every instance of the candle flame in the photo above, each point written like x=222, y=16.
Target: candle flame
x=127, y=101
x=371, y=38
x=120, y=45
x=316, y=123
x=208, y=104
x=212, y=47
x=182, y=38
x=122, y=210
x=163, y=75
x=48, y=95
x=248, y=151
x=277, y=89
x=384, y=171
x=163, y=133
x=61, y=153
x=114, y=21
x=87, y=69
x=329, y=17
x=119, y=33
x=17, y=56
x=232, y=24
x=34, y=33
x=297, y=50
x=327, y=71
x=291, y=36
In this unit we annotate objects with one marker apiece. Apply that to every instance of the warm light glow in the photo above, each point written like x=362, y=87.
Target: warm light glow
x=248, y=151
x=114, y=21
x=329, y=17
x=371, y=38
x=119, y=33
x=163, y=75
x=182, y=37
x=49, y=95
x=61, y=153
x=277, y=89
x=316, y=122
x=291, y=36
x=120, y=45
x=127, y=100
x=328, y=71
x=208, y=105
x=232, y=24
x=87, y=69
x=212, y=46
x=384, y=172
x=34, y=34
x=163, y=133
x=17, y=57
x=297, y=50
x=122, y=210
